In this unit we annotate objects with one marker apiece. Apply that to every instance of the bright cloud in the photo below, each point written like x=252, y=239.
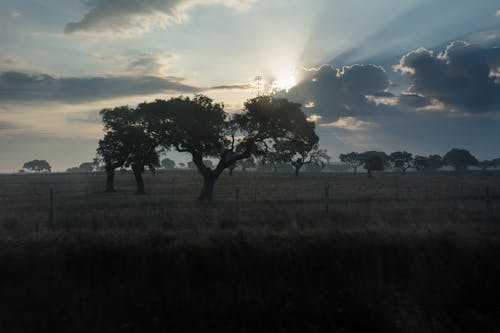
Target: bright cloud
x=349, y=123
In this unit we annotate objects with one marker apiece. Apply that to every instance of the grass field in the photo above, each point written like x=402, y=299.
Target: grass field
x=414, y=253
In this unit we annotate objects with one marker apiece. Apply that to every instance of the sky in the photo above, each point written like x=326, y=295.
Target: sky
x=415, y=75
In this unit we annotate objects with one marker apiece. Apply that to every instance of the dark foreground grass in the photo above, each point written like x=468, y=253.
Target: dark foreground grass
x=255, y=280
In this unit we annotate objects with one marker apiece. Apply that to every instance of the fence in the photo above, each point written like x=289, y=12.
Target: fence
x=297, y=204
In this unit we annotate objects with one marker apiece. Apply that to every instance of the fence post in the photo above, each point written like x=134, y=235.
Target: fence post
x=148, y=205
x=327, y=199
x=237, y=206
x=408, y=204
x=488, y=206
x=51, y=209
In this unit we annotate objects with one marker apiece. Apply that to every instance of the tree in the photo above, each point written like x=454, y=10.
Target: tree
x=84, y=167
x=38, y=166
x=432, y=162
x=374, y=161
x=487, y=164
x=402, y=160
x=129, y=141
x=300, y=150
x=352, y=159
x=248, y=163
x=167, y=163
x=459, y=159
x=203, y=129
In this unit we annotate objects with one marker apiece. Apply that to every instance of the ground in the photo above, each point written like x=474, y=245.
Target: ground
x=319, y=252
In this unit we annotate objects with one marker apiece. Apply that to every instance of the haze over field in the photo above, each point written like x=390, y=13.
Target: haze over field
x=422, y=76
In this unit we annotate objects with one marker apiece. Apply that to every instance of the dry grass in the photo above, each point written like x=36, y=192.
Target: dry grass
x=163, y=263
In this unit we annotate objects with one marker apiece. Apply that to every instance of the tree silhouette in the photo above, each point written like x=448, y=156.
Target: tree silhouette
x=167, y=163
x=84, y=167
x=129, y=142
x=352, y=159
x=37, y=166
x=459, y=159
x=203, y=129
x=432, y=162
x=300, y=150
x=402, y=160
x=374, y=161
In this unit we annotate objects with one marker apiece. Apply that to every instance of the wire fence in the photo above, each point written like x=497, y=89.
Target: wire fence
x=49, y=205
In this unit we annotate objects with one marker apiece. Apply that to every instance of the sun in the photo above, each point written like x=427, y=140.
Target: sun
x=284, y=81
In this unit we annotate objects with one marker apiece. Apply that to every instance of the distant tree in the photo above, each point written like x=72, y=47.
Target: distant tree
x=374, y=161
x=167, y=163
x=459, y=159
x=191, y=165
x=248, y=163
x=300, y=152
x=208, y=163
x=182, y=165
x=37, y=166
x=487, y=164
x=402, y=160
x=84, y=167
x=202, y=128
x=432, y=162
x=352, y=159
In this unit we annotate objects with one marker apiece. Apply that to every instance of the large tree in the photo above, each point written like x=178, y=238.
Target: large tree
x=374, y=161
x=37, y=166
x=129, y=142
x=402, y=160
x=431, y=162
x=352, y=159
x=202, y=128
x=459, y=159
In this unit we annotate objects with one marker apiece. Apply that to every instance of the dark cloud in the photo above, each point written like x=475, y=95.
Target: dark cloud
x=7, y=125
x=462, y=77
x=232, y=87
x=338, y=92
x=18, y=86
x=136, y=16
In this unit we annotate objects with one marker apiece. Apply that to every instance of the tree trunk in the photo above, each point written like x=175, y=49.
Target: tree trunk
x=370, y=173
x=110, y=179
x=207, y=191
x=355, y=169
x=297, y=169
x=139, y=181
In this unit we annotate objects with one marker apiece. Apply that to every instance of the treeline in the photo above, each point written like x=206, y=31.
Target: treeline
x=270, y=129
x=458, y=159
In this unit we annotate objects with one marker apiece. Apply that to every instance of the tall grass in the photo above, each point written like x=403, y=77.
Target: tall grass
x=163, y=263
x=253, y=280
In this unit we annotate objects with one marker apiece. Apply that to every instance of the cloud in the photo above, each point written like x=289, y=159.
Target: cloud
x=91, y=117
x=148, y=63
x=242, y=86
x=7, y=125
x=15, y=13
x=462, y=78
x=498, y=13
x=20, y=86
x=339, y=92
x=132, y=17
x=349, y=123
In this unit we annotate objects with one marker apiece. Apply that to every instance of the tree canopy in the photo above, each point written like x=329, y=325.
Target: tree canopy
x=202, y=128
x=459, y=159
x=37, y=166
